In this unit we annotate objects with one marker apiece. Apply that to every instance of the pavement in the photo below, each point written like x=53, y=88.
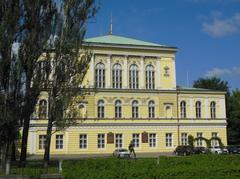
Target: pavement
x=81, y=156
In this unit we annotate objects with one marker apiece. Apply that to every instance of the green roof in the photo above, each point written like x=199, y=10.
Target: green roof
x=119, y=40
x=197, y=89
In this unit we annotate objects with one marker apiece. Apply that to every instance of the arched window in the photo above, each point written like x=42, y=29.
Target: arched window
x=151, y=109
x=117, y=76
x=100, y=109
x=42, y=109
x=118, y=109
x=133, y=77
x=135, y=112
x=150, y=77
x=198, y=109
x=100, y=75
x=213, y=109
x=183, y=109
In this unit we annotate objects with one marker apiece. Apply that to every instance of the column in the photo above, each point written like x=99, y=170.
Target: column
x=222, y=107
x=66, y=143
x=108, y=72
x=142, y=74
x=207, y=110
x=191, y=109
x=125, y=73
x=158, y=74
x=91, y=74
x=174, y=73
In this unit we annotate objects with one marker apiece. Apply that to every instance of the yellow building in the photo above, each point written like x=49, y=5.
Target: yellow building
x=133, y=96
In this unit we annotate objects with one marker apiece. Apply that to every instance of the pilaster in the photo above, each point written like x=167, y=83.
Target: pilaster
x=108, y=72
x=142, y=74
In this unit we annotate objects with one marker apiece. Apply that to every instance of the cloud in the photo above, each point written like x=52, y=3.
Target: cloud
x=220, y=27
x=218, y=72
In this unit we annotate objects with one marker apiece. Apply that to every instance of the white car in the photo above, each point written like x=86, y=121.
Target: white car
x=216, y=150
x=121, y=153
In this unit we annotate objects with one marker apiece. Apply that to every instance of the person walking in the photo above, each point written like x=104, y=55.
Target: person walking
x=131, y=149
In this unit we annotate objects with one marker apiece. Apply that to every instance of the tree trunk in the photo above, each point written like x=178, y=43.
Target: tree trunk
x=13, y=152
x=23, y=155
x=48, y=143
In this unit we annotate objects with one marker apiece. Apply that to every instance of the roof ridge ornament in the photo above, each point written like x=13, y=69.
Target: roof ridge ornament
x=111, y=25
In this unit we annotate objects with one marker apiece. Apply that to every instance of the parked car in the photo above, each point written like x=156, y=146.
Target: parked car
x=183, y=150
x=225, y=150
x=216, y=150
x=121, y=153
x=233, y=149
x=200, y=150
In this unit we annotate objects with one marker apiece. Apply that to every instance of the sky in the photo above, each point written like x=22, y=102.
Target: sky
x=207, y=32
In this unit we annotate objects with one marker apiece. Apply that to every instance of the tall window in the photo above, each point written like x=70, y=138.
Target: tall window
x=42, y=141
x=100, y=75
x=83, y=141
x=150, y=77
x=184, y=138
x=42, y=65
x=59, y=141
x=101, y=141
x=118, y=109
x=117, y=76
x=100, y=109
x=135, y=112
x=213, y=109
x=168, y=139
x=133, y=77
x=183, y=109
x=42, y=109
x=214, y=142
x=118, y=141
x=135, y=138
x=151, y=109
x=152, y=140
x=199, y=140
x=198, y=109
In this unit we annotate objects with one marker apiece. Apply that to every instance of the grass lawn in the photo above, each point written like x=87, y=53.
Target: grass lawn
x=195, y=166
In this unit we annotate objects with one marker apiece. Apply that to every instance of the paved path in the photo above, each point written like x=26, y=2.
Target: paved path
x=79, y=156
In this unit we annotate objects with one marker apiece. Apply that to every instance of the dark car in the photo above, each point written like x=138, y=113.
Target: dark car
x=200, y=150
x=183, y=150
x=233, y=149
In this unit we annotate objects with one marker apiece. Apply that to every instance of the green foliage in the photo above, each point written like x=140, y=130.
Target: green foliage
x=191, y=140
x=234, y=118
x=213, y=83
x=197, y=166
x=207, y=141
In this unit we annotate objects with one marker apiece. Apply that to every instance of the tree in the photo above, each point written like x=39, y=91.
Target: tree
x=234, y=118
x=68, y=66
x=38, y=19
x=213, y=83
x=31, y=25
x=10, y=77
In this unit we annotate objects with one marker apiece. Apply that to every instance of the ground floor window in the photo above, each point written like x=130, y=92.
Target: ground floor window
x=83, y=141
x=101, y=141
x=214, y=142
x=59, y=141
x=168, y=139
x=118, y=141
x=152, y=140
x=199, y=140
x=184, y=138
x=42, y=141
x=135, y=139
